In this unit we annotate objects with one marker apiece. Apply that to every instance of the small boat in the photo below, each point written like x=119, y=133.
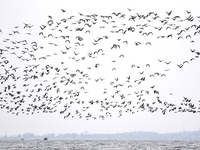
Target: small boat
x=45, y=138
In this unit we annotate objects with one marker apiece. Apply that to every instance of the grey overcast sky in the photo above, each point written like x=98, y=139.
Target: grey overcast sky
x=173, y=87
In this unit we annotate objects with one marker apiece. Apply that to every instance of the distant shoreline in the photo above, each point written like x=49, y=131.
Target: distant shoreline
x=139, y=135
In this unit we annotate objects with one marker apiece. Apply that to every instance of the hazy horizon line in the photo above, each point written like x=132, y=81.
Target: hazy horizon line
x=88, y=133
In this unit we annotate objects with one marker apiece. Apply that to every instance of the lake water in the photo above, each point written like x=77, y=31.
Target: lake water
x=97, y=145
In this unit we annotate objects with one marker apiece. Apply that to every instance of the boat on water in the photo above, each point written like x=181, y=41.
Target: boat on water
x=45, y=138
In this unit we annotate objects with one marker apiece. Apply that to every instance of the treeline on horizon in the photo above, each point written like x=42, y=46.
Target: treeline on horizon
x=139, y=135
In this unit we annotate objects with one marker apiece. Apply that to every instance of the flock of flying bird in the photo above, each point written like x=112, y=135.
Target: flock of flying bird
x=83, y=66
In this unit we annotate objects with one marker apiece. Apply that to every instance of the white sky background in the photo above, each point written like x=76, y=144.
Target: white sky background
x=180, y=82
